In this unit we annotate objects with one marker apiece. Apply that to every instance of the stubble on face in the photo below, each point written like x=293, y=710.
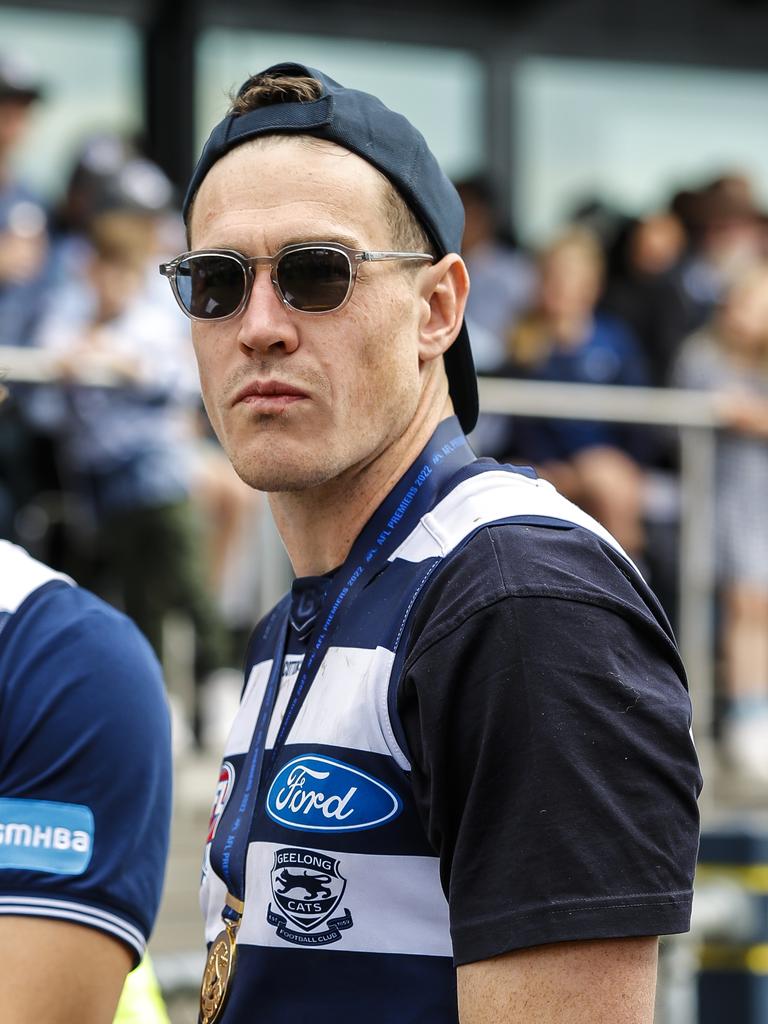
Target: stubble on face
x=352, y=422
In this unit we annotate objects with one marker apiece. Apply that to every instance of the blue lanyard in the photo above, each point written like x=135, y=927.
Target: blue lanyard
x=412, y=497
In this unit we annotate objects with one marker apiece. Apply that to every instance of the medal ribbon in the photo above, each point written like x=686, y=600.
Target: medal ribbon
x=412, y=497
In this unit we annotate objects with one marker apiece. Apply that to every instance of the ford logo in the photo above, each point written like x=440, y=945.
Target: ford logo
x=317, y=794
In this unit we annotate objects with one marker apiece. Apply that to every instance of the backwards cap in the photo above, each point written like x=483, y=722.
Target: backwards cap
x=363, y=124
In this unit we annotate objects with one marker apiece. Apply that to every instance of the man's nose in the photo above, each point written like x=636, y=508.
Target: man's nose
x=266, y=321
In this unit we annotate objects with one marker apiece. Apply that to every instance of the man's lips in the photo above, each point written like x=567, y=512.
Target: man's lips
x=268, y=393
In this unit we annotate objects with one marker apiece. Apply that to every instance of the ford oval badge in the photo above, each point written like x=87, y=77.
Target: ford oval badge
x=318, y=794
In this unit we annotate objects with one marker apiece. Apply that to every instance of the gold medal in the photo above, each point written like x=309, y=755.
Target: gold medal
x=219, y=969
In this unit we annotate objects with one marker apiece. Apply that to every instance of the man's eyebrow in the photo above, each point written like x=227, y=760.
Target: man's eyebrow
x=317, y=238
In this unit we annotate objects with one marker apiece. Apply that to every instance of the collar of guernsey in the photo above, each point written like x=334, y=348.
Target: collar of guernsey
x=417, y=491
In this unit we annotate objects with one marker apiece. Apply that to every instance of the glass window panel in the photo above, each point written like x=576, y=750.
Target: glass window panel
x=439, y=90
x=91, y=68
x=631, y=134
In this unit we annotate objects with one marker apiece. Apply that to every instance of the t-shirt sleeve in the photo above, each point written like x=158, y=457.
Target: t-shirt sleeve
x=548, y=723
x=85, y=766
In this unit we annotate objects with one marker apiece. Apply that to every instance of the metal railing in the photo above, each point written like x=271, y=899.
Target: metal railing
x=692, y=414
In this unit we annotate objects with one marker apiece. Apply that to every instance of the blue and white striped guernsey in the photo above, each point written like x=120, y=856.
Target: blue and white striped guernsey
x=345, y=916
x=80, y=692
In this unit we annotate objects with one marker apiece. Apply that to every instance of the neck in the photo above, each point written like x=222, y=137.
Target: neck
x=319, y=526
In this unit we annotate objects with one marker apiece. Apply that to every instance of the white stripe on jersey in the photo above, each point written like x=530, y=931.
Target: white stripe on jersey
x=330, y=710
x=485, y=498
x=80, y=913
x=239, y=739
x=413, y=919
x=21, y=575
x=356, y=720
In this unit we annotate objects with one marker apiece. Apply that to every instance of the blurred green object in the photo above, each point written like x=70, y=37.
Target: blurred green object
x=142, y=1001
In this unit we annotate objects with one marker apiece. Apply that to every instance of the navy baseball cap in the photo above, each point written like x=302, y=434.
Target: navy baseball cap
x=363, y=124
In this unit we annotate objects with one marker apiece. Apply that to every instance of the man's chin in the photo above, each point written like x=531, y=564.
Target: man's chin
x=273, y=475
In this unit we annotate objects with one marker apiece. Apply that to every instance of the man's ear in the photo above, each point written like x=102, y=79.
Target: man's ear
x=444, y=291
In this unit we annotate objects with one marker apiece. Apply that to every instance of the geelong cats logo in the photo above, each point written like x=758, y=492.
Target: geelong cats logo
x=307, y=887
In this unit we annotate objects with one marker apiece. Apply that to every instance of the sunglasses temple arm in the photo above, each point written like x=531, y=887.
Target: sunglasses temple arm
x=373, y=257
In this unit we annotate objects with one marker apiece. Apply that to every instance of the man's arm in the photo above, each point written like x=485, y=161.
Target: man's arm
x=600, y=981
x=56, y=972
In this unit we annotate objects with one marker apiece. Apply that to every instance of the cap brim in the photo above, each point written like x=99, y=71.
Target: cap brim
x=29, y=95
x=462, y=380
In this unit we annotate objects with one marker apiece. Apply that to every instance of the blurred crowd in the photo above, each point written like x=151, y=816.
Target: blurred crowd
x=674, y=297
x=109, y=470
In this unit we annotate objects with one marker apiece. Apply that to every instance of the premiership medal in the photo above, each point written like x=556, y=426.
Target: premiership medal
x=219, y=970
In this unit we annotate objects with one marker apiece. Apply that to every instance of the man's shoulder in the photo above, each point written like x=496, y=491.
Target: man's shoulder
x=548, y=562
x=46, y=619
x=521, y=556
x=31, y=589
x=21, y=576
x=486, y=492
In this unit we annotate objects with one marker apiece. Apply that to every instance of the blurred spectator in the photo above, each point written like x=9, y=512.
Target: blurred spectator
x=129, y=452
x=729, y=356
x=23, y=218
x=502, y=278
x=109, y=170
x=644, y=288
x=604, y=220
x=502, y=274
x=562, y=337
x=24, y=456
x=727, y=233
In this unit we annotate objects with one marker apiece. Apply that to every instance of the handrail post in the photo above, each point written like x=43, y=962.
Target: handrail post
x=697, y=588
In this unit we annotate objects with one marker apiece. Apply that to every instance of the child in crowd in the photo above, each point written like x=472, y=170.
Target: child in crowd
x=129, y=453
x=563, y=337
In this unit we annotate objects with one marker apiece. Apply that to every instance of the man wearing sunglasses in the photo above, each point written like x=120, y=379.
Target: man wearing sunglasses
x=461, y=784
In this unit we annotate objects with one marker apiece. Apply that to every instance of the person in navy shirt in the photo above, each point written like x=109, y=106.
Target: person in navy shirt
x=564, y=336
x=85, y=796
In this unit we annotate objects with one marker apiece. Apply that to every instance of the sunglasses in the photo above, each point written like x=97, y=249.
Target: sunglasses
x=215, y=284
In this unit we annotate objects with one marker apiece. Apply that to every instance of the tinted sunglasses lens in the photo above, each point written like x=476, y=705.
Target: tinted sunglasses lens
x=210, y=287
x=314, y=280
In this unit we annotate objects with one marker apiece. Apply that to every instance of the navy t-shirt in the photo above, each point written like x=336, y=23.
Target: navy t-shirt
x=85, y=764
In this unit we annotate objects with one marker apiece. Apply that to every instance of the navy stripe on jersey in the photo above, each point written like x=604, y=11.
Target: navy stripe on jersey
x=349, y=988
x=401, y=834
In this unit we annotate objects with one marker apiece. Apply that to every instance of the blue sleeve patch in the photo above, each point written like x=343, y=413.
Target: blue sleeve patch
x=40, y=835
